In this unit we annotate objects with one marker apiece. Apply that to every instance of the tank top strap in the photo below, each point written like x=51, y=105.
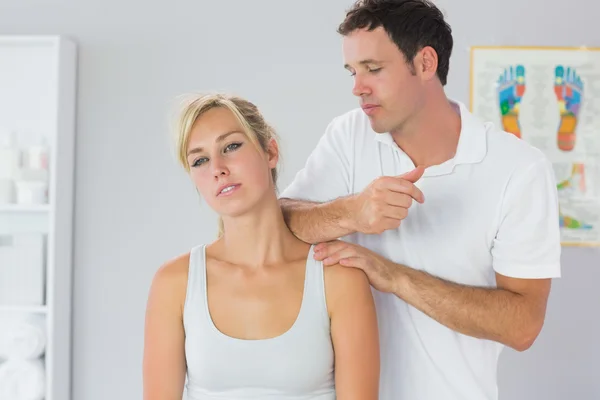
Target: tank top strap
x=196, y=278
x=315, y=299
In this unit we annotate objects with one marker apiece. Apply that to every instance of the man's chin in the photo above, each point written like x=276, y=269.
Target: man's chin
x=378, y=127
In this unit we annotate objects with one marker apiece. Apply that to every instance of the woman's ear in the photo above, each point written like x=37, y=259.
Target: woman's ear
x=273, y=153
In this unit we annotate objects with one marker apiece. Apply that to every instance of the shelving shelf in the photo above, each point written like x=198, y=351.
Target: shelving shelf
x=24, y=208
x=23, y=309
x=38, y=75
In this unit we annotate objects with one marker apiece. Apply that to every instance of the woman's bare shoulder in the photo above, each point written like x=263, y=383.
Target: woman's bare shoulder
x=169, y=283
x=174, y=269
x=345, y=277
x=342, y=283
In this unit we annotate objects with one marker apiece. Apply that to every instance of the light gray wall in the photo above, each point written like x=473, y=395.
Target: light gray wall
x=135, y=207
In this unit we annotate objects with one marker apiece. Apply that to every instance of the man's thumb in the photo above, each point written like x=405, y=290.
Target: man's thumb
x=414, y=175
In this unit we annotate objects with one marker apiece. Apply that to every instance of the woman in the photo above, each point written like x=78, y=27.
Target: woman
x=253, y=315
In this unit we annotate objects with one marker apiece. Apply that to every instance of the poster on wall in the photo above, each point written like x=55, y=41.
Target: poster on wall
x=549, y=97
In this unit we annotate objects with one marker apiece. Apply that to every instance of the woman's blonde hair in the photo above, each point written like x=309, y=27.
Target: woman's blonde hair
x=255, y=127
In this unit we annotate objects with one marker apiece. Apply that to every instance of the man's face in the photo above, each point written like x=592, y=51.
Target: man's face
x=389, y=91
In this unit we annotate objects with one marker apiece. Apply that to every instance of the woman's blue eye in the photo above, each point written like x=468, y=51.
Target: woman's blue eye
x=199, y=162
x=228, y=148
x=233, y=146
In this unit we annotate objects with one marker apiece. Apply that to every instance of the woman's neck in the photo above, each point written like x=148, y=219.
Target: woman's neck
x=259, y=238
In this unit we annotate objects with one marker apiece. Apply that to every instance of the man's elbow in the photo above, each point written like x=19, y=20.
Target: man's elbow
x=526, y=337
x=289, y=206
x=284, y=202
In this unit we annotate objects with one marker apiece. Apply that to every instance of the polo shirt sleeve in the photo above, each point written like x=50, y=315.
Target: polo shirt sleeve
x=327, y=174
x=528, y=244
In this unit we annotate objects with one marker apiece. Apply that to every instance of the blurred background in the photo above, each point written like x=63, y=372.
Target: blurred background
x=134, y=207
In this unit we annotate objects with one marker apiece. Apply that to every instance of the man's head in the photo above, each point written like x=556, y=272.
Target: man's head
x=397, y=51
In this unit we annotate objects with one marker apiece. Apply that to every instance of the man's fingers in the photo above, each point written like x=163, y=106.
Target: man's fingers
x=392, y=223
x=325, y=249
x=335, y=258
x=395, y=213
x=414, y=175
x=398, y=185
x=398, y=199
x=355, y=262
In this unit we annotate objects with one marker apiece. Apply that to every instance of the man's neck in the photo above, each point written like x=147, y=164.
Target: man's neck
x=431, y=136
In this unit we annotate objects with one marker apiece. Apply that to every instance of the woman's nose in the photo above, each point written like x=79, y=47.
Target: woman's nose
x=219, y=168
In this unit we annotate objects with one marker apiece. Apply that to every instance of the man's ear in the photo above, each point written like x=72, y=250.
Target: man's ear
x=426, y=63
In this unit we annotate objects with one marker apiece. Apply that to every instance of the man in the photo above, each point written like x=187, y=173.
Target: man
x=454, y=222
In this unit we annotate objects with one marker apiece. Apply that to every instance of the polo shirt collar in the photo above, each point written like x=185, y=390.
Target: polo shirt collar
x=472, y=142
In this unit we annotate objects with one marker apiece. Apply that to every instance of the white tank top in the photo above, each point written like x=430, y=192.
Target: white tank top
x=297, y=365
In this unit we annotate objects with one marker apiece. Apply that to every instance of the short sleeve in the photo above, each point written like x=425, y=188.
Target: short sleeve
x=527, y=244
x=327, y=174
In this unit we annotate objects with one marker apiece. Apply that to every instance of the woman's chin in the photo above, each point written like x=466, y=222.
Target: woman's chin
x=233, y=211
x=244, y=206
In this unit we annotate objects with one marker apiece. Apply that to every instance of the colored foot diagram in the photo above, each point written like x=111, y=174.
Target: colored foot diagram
x=571, y=223
x=572, y=186
x=511, y=88
x=568, y=88
x=576, y=182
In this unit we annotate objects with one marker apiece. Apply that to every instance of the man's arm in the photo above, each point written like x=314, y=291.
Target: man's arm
x=382, y=205
x=314, y=222
x=525, y=256
x=320, y=205
x=512, y=314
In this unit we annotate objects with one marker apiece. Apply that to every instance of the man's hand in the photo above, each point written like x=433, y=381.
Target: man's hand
x=380, y=271
x=382, y=205
x=385, y=202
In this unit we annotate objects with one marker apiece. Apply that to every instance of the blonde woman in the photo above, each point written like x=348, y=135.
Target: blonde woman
x=252, y=315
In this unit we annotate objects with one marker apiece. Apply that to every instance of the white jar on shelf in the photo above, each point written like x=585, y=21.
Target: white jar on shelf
x=31, y=186
x=10, y=162
x=36, y=155
x=7, y=191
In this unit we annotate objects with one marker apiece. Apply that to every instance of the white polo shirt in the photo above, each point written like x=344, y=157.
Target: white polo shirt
x=492, y=208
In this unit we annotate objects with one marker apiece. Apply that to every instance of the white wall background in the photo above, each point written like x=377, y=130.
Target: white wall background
x=135, y=208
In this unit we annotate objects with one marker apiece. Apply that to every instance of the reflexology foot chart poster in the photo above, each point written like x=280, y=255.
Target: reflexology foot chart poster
x=549, y=97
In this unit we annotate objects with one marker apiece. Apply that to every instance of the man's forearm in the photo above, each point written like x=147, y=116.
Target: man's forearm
x=317, y=222
x=487, y=313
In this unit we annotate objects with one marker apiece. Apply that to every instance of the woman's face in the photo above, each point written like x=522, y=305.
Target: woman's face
x=228, y=170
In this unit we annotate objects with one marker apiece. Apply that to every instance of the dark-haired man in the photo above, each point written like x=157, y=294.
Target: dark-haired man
x=454, y=221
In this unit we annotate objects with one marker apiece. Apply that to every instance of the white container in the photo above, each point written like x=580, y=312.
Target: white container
x=32, y=192
x=7, y=191
x=22, y=269
x=10, y=155
x=31, y=186
x=36, y=156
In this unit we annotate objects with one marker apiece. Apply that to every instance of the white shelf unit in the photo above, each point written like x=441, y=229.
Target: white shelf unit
x=38, y=77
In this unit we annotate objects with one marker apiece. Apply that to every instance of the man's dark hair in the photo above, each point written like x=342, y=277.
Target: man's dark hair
x=411, y=24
